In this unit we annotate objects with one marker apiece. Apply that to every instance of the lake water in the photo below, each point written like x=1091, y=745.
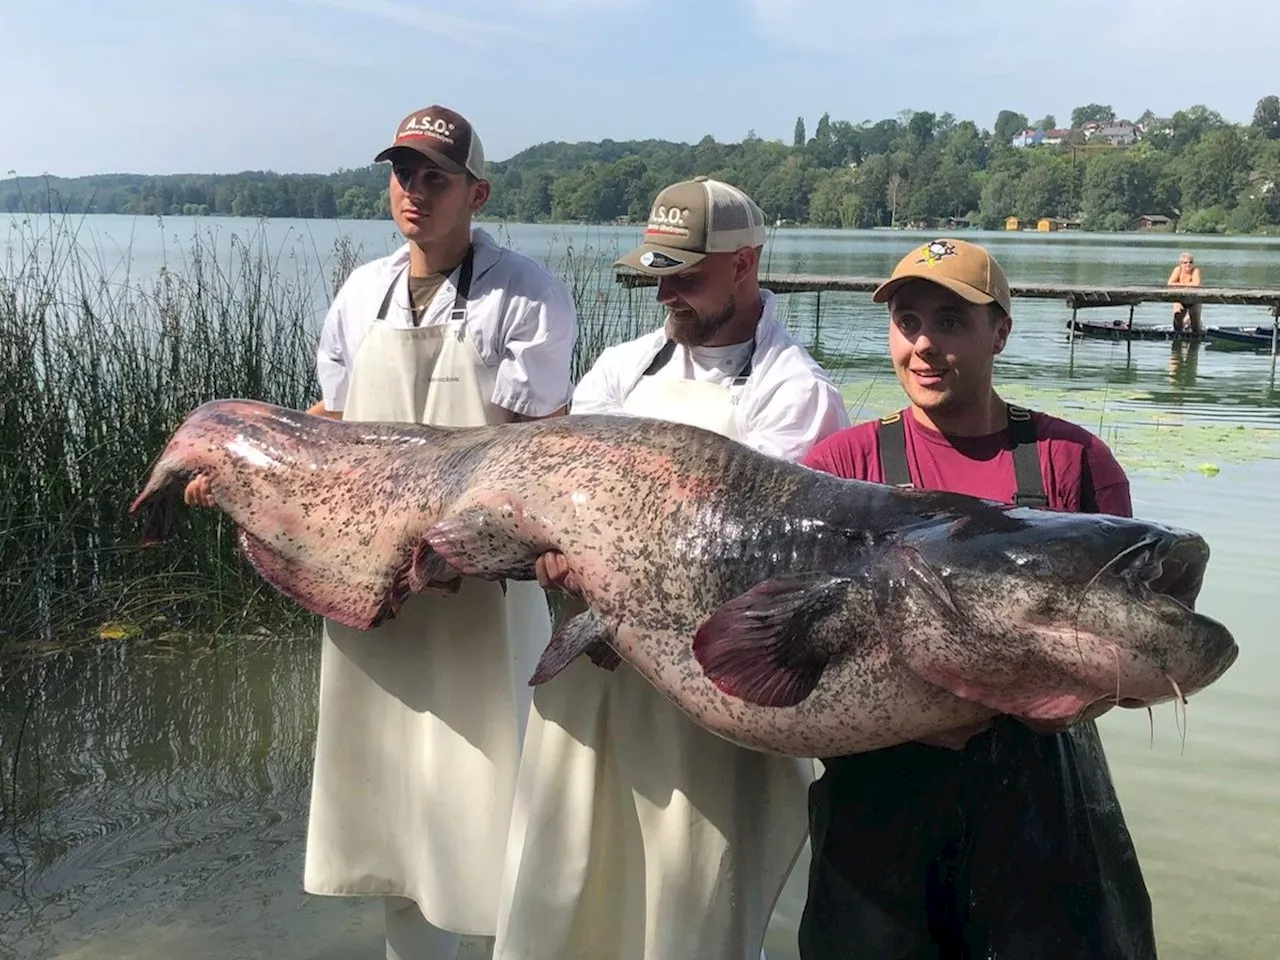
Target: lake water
x=157, y=803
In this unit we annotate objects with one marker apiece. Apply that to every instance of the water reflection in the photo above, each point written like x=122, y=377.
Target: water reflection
x=1184, y=358
x=154, y=786
x=155, y=799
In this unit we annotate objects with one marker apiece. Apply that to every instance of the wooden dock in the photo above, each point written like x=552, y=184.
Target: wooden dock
x=1075, y=296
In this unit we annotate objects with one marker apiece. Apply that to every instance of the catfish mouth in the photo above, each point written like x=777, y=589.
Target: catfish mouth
x=1170, y=567
x=1166, y=574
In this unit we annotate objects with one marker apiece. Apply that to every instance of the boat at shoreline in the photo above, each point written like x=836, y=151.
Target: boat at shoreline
x=1120, y=330
x=1255, y=338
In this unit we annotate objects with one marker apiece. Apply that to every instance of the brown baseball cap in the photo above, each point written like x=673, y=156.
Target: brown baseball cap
x=691, y=219
x=442, y=135
x=964, y=268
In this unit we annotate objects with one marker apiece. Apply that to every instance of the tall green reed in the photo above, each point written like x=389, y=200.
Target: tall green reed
x=97, y=369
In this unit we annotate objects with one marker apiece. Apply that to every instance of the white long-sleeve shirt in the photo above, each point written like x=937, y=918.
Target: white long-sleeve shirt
x=786, y=406
x=520, y=317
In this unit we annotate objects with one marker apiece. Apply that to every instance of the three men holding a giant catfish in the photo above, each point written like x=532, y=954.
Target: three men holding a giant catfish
x=948, y=887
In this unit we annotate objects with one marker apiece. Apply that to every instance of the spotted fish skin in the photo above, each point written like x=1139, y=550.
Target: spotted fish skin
x=784, y=609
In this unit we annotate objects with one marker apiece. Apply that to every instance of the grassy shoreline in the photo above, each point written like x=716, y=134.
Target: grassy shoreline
x=97, y=370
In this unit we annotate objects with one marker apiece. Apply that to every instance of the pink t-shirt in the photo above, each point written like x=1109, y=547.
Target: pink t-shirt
x=1080, y=473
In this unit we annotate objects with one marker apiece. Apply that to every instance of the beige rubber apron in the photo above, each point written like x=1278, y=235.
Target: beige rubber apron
x=638, y=834
x=422, y=719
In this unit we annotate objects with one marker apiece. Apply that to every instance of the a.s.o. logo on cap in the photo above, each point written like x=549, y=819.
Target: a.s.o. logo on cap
x=431, y=126
x=668, y=221
x=672, y=216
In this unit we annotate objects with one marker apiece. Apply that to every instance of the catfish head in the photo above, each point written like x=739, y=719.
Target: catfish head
x=1040, y=615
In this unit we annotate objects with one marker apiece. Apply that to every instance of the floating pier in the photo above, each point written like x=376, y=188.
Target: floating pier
x=1076, y=296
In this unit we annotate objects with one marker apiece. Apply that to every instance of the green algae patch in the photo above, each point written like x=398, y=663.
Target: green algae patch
x=1143, y=438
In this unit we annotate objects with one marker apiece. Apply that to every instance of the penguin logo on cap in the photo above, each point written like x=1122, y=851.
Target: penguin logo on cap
x=933, y=252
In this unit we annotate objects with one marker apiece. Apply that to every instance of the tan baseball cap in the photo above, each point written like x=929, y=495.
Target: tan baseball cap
x=691, y=219
x=443, y=136
x=964, y=268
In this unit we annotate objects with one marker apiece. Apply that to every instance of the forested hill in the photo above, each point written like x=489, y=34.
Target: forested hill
x=1195, y=168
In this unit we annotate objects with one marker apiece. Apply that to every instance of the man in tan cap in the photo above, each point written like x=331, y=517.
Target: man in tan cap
x=421, y=720
x=999, y=841
x=644, y=835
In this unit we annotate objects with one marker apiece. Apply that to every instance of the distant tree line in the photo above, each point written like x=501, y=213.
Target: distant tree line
x=347, y=194
x=1194, y=168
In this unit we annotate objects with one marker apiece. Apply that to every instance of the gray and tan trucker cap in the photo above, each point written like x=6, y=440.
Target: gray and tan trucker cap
x=691, y=219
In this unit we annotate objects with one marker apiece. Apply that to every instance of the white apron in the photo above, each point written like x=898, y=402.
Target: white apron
x=421, y=720
x=639, y=835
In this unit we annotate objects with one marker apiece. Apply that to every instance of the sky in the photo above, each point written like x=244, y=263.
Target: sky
x=220, y=86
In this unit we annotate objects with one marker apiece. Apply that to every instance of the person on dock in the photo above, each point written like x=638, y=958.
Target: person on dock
x=1186, y=316
x=645, y=835
x=421, y=720
x=999, y=841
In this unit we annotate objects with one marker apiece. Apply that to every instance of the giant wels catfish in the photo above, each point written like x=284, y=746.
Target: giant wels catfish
x=784, y=609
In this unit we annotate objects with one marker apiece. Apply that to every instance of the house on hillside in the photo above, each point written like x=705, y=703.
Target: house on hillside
x=1260, y=184
x=1154, y=125
x=1120, y=133
x=1045, y=138
x=1151, y=221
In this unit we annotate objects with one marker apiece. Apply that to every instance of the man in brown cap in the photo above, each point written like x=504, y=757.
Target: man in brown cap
x=1000, y=841
x=421, y=720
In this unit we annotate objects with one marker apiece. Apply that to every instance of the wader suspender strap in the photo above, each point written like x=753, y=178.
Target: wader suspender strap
x=459, y=311
x=1026, y=460
x=660, y=360
x=891, y=438
x=669, y=348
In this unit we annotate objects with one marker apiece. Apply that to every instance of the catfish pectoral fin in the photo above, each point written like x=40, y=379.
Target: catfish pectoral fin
x=759, y=647
x=584, y=633
x=428, y=572
x=488, y=538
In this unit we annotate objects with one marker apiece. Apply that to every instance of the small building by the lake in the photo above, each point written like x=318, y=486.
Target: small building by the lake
x=1053, y=224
